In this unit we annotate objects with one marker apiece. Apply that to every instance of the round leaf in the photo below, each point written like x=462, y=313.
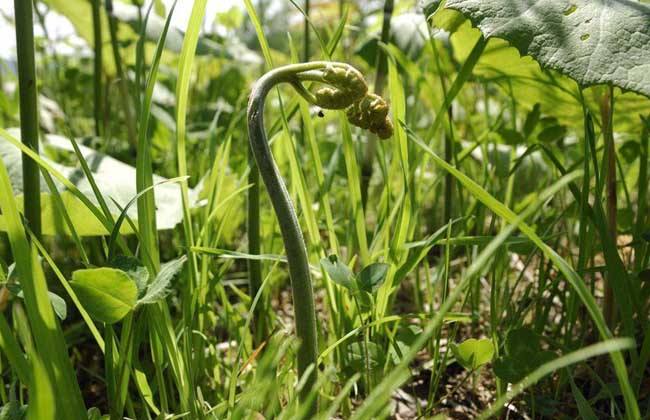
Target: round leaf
x=107, y=294
x=473, y=353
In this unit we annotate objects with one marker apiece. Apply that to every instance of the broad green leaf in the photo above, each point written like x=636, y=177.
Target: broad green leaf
x=84, y=221
x=473, y=353
x=557, y=95
x=593, y=42
x=107, y=294
x=338, y=272
x=59, y=305
x=159, y=288
x=372, y=277
x=115, y=180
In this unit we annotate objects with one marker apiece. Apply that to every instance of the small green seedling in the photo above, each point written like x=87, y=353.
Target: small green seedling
x=472, y=353
x=369, y=280
x=109, y=293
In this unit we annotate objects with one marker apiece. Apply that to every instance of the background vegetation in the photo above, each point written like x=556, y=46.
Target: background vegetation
x=490, y=258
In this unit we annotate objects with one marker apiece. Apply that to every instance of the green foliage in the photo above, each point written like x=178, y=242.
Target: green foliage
x=368, y=280
x=159, y=287
x=108, y=294
x=523, y=354
x=473, y=353
x=572, y=37
x=13, y=410
x=484, y=210
x=338, y=272
x=372, y=277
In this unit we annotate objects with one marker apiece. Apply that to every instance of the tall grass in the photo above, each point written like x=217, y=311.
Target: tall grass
x=474, y=245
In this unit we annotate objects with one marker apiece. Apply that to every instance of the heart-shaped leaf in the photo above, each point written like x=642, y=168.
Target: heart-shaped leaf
x=108, y=294
x=372, y=277
x=338, y=272
x=473, y=353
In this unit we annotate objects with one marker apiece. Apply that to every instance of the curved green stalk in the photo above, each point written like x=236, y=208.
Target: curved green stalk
x=345, y=87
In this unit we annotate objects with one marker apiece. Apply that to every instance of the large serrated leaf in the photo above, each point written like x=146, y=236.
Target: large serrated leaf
x=108, y=294
x=591, y=41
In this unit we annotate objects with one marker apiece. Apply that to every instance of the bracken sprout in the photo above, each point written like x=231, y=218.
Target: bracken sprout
x=339, y=86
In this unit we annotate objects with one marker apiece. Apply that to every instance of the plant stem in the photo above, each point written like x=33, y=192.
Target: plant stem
x=306, y=32
x=294, y=243
x=607, y=112
x=254, y=248
x=380, y=80
x=123, y=81
x=28, y=111
x=253, y=232
x=97, y=67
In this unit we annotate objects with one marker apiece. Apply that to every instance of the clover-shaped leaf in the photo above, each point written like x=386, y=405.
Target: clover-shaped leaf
x=473, y=353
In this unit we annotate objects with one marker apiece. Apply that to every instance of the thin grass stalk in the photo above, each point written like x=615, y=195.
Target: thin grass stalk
x=642, y=210
x=123, y=83
x=46, y=330
x=97, y=67
x=381, y=65
x=607, y=114
x=184, y=362
x=306, y=39
x=28, y=111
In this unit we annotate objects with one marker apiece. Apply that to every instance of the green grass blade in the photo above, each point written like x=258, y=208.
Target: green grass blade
x=615, y=345
x=571, y=276
x=50, y=343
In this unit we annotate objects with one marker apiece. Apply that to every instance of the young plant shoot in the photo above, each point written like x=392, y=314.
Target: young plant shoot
x=344, y=87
